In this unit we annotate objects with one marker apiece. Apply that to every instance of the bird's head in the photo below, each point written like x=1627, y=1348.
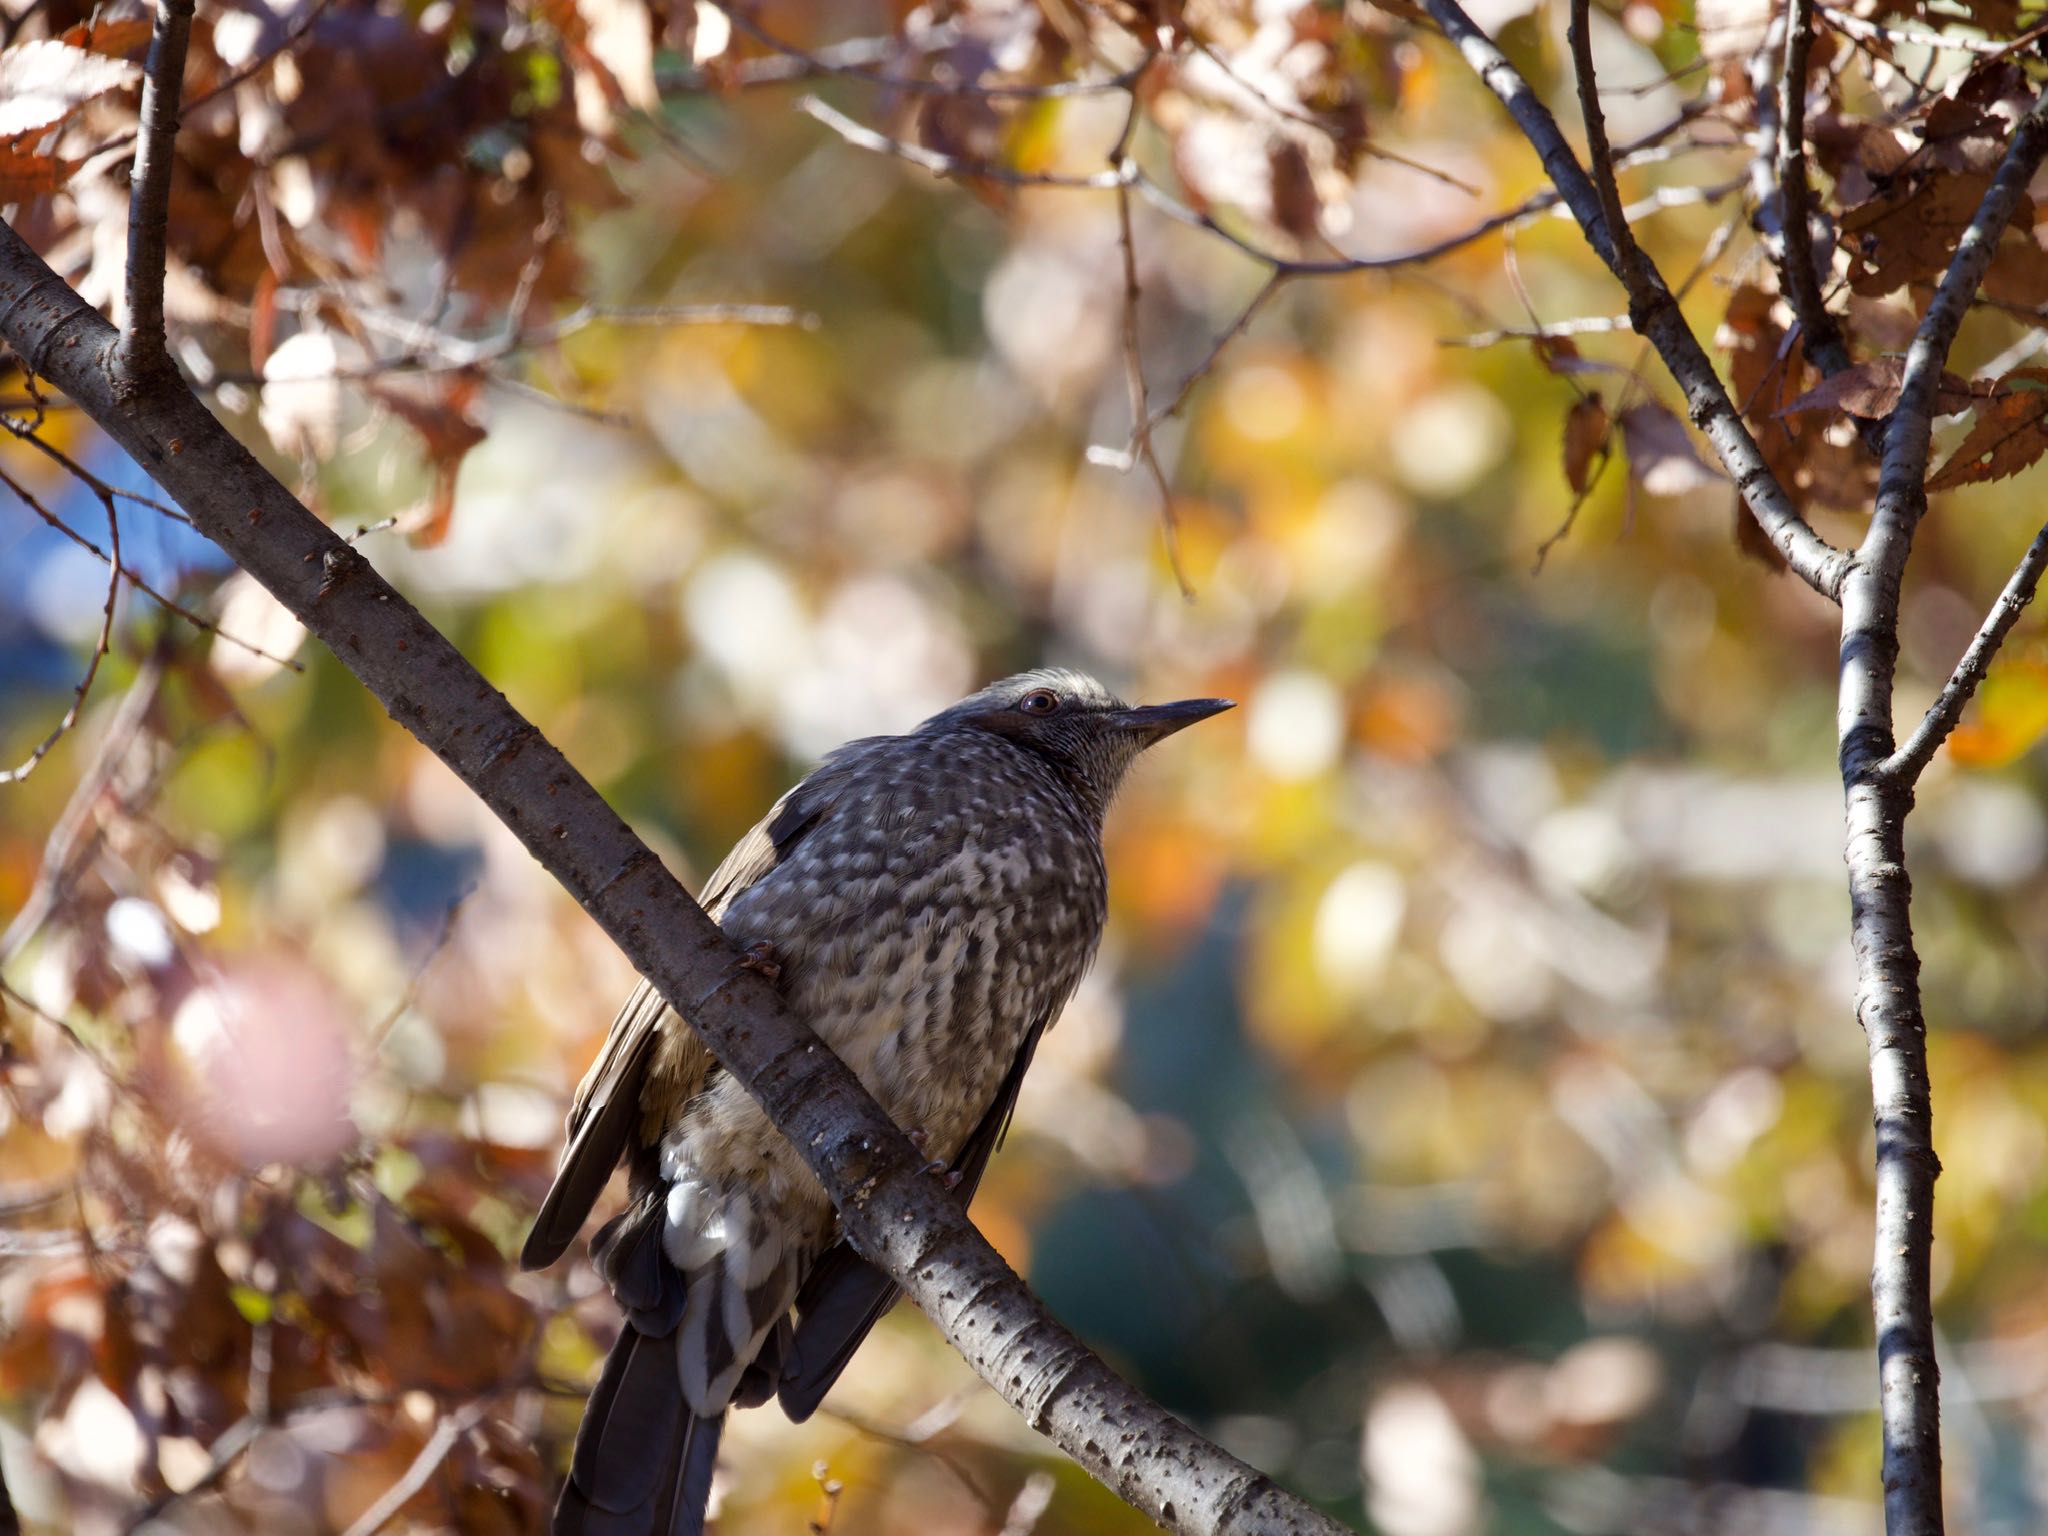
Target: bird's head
x=1088, y=733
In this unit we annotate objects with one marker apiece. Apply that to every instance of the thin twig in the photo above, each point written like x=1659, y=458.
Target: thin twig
x=381, y=1033
x=1863, y=30
x=863, y=137
x=857, y=54
x=68, y=849
x=99, y=651
x=128, y=573
x=1134, y=384
x=1907, y=763
x=819, y=64
x=1822, y=337
x=1627, y=256
x=1555, y=330
x=451, y=1428
x=25, y=432
x=149, y=198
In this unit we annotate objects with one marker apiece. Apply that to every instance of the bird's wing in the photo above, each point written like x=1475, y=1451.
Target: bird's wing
x=605, y=1113
x=844, y=1296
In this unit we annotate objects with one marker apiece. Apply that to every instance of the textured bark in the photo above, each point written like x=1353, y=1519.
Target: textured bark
x=905, y=1220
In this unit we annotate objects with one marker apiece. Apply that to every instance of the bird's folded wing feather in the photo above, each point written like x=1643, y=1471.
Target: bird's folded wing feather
x=604, y=1115
x=845, y=1296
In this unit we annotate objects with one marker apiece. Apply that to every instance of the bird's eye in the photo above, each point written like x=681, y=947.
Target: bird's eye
x=1039, y=701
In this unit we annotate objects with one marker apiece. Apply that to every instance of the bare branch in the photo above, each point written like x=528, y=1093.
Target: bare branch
x=1819, y=333
x=100, y=647
x=858, y=55
x=1941, y=717
x=907, y=1224
x=822, y=63
x=1862, y=29
x=1627, y=257
x=149, y=197
x=1142, y=450
x=119, y=571
x=1655, y=315
x=863, y=137
x=451, y=1428
x=1584, y=325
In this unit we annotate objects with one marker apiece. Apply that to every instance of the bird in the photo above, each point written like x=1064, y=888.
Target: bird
x=926, y=903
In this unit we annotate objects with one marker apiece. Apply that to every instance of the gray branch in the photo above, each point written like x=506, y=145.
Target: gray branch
x=1823, y=338
x=1888, y=1002
x=904, y=1220
x=1654, y=313
x=149, y=191
x=1942, y=716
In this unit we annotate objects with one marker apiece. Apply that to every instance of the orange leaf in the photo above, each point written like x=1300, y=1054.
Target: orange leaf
x=2010, y=433
x=24, y=176
x=2011, y=715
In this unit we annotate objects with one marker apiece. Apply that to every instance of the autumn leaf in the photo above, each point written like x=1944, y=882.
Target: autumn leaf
x=1907, y=233
x=2010, y=433
x=25, y=175
x=1871, y=389
x=1296, y=206
x=44, y=82
x=1661, y=456
x=1585, y=435
x=115, y=36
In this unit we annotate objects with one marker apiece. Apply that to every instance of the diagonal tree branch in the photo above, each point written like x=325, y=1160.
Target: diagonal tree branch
x=149, y=192
x=906, y=1222
x=1942, y=716
x=1654, y=312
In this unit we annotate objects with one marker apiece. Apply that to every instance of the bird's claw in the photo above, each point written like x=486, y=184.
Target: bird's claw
x=759, y=957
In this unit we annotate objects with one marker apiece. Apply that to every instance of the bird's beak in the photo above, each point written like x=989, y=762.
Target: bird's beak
x=1155, y=722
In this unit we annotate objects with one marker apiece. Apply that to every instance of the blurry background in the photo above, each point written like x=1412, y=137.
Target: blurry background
x=1466, y=1120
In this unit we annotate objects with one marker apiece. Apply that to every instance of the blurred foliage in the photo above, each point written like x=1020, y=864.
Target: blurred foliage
x=1466, y=1121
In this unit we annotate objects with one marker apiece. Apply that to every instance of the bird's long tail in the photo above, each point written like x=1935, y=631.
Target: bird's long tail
x=643, y=1460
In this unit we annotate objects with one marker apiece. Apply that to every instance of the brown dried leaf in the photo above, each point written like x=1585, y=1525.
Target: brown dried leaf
x=1871, y=388
x=1661, y=456
x=1297, y=207
x=438, y=410
x=24, y=175
x=117, y=36
x=2019, y=272
x=1907, y=233
x=2009, y=434
x=1585, y=434
x=44, y=82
